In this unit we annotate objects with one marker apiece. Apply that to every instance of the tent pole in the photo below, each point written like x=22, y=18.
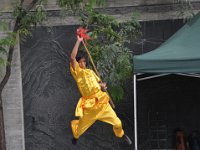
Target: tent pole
x=135, y=112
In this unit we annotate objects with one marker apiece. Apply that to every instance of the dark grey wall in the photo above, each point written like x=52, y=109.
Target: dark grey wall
x=50, y=96
x=155, y=33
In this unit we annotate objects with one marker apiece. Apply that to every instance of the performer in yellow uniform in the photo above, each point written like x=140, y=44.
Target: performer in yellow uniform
x=94, y=103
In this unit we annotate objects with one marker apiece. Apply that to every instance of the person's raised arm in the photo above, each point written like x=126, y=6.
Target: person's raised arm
x=75, y=51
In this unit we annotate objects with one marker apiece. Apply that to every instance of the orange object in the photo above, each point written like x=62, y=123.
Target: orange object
x=180, y=141
x=81, y=32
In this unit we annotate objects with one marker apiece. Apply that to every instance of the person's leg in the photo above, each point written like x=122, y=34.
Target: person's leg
x=109, y=116
x=81, y=125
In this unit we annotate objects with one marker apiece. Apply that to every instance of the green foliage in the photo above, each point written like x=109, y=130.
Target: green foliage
x=185, y=9
x=115, y=64
x=2, y=50
x=5, y=43
x=9, y=40
x=27, y=20
x=3, y=25
x=112, y=58
x=130, y=30
x=117, y=93
x=2, y=61
x=71, y=4
x=101, y=30
x=76, y=5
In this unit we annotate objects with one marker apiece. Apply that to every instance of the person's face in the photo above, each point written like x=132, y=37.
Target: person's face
x=82, y=63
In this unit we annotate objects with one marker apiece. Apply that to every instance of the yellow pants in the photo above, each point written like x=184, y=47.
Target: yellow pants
x=102, y=112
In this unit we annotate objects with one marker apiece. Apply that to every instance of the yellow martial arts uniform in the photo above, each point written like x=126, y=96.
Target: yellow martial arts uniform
x=93, y=105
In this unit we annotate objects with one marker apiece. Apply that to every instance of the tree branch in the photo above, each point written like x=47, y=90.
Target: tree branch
x=32, y=4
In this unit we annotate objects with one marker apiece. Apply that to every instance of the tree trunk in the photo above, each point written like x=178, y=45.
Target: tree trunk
x=2, y=131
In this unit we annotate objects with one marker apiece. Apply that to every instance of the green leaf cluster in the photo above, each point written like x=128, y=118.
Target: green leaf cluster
x=30, y=18
x=115, y=64
x=5, y=43
x=76, y=5
x=117, y=93
x=25, y=20
x=185, y=9
x=130, y=30
x=108, y=48
x=3, y=25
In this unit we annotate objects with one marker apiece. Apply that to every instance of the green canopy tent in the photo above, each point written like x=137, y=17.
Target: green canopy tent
x=180, y=54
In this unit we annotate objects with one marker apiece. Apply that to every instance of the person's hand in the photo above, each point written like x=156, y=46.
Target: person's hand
x=103, y=86
x=80, y=39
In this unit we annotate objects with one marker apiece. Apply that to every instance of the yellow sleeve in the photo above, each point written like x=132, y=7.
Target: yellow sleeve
x=96, y=77
x=75, y=71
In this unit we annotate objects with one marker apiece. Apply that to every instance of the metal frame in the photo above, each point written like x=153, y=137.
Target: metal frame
x=135, y=112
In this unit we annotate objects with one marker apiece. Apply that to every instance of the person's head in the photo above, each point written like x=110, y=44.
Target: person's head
x=82, y=60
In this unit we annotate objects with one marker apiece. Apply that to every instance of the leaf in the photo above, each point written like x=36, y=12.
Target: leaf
x=3, y=25
x=3, y=50
x=117, y=93
x=2, y=61
x=9, y=40
x=112, y=58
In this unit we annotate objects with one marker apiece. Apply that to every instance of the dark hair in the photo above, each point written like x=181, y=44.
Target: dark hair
x=81, y=55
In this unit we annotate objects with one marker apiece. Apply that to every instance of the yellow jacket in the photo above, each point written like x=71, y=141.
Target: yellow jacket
x=88, y=84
